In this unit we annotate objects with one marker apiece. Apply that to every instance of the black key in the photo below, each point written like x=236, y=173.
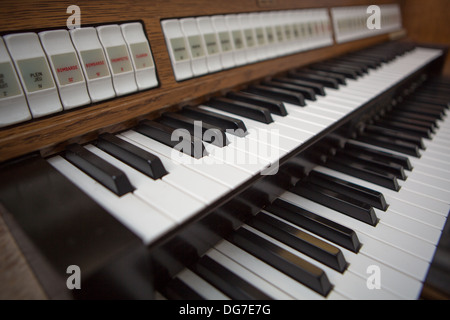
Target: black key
x=135, y=157
x=377, y=154
x=299, y=240
x=359, y=68
x=392, y=144
x=434, y=91
x=375, y=59
x=440, y=108
x=292, y=265
x=367, y=62
x=318, y=225
x=364, y=64
x=336, y=201
x=318, y=88
x=369, y=196
x=278, y=94
x=439, y=103
x=372, y=55
x=443, y=93
x=374, y=164
x=306, y=92
x=229, y=124
x=275, y=106
x=178, y=290
x=64, y=226
x=181, y=141
x=421, y=123
x=420, y=110
x=404, y=127
x=226, y=281
x=338, y=77
x=242, y=109
x=372, y=63
x=326, y=81
x=398, y=135
x=349, y=73
x=362, y=172
x=99, y=169
x=336, y=140
x=201, y=130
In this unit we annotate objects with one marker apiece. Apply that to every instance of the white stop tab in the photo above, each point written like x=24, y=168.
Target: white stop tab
x=178, y=49
x=141, y=55
x=196, y=46
x=34, y=72
x=66, y=68
x=13, y=105
x=118, y=58
x=93, y=63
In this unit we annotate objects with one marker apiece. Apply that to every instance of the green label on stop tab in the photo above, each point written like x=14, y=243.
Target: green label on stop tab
x=95, y=64
x=67, y=68
x=36, y=74
x=119, y=58
x=142, y=55
x=9, y=86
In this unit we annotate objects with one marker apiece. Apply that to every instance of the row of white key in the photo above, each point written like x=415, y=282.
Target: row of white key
x=416, y=231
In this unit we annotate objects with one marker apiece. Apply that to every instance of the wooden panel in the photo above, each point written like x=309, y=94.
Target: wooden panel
x=428, y=21
x=16, y=277
x=54, y=130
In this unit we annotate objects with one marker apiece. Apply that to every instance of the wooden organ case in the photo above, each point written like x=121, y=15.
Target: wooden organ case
x=37, y=246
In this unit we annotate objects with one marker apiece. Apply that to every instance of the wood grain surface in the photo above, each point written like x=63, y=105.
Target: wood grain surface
x=428, y=22
x=17, y=280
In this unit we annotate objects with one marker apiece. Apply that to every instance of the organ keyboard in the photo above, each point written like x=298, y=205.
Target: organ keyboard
x=298, y=183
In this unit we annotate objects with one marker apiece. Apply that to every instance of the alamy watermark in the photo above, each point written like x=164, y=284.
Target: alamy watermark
x=256, y=147
x=74, y=280
x=374, y=279
x=374, y=20
x=74, y=21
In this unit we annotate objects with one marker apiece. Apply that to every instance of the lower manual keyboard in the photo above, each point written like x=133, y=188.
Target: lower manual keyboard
x=399, y=248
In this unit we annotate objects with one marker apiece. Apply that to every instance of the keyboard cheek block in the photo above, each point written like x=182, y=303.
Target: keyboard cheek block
x=59, y=226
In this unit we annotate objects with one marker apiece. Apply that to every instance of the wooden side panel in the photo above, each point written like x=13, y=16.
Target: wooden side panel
x=17, y=279
x=428, y=22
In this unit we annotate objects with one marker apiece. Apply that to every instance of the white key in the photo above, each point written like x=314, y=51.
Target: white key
x=395, y=200
x=159, y=194
x=318, y=110
x=375, y=248
x=427, y=190
x=289, y=137
x=222, y=173
x=271, y=134
x=237, y=158
x=300, y=113
x=298, y=123
x=381, y=232
x=393, y=280
x=187, y=181
x=143, y=219
x=254, y=279
x=272, y=275
x=410, y=226
x=347, y=284
x=200, y=286
x=424, y=178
